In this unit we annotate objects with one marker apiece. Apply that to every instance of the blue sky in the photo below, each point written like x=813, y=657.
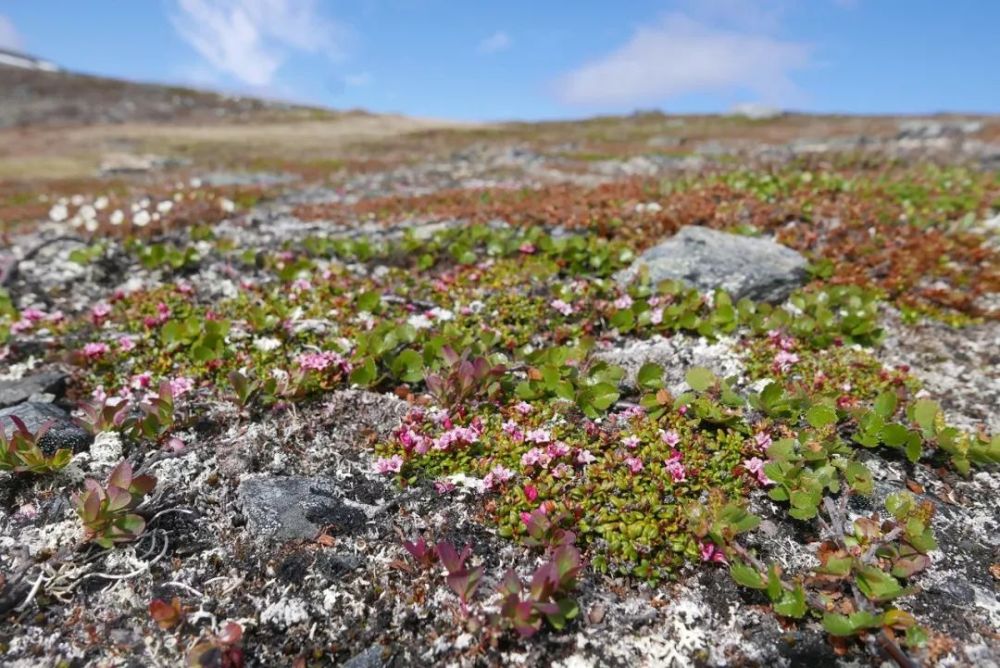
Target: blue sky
x=516, y=59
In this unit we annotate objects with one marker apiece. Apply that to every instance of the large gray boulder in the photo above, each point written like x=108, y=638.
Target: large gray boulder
x=64, y=432
x=286, y=508
x=707, y=259
x=16, y=391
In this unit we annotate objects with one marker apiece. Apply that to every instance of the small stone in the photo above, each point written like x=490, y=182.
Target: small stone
x=64, y=432
x=370, y=658
x=759, y=269
x=18, y=391
x=295, y=508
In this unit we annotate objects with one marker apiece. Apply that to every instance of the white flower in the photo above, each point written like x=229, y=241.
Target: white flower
x=165, y=206
x=141, y=219
x=117, y=217
x=101, y=203
x=144, y=203
x=266, y=344
x=195, y=183
x=419, y=321
x=76, y=200
x=442, y=313
x=58, y=213
x=227, y=205
x=91, y=224
x=87, y=212
x=76, y=221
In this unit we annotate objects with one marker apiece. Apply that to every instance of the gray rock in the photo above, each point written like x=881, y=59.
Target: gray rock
x=295, y=507
x=707, y=259
x=370, y=658
x=64, y=433
x=18, y=391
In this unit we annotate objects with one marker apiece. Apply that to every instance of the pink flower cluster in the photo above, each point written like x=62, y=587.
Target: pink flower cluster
x=755, y=467
x=562, y=307
x=387, y=465
x=99, y=313
x=634, y=464
x=162, y=315
x=675, y=467
x=455, y=437
x=544, y=456
x=93, y=351
x=322, y=361
x=497, y=476
x=709, y=552
x=784, y=361
x=623, y=302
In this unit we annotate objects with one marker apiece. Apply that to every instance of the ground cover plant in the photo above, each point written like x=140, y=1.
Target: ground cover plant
x=439, y=426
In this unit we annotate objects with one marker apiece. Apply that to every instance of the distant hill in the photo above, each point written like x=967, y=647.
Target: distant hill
x=33, y=96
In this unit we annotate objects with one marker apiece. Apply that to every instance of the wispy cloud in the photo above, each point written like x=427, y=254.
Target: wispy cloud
x=251, y=39
x=9, y=37
x=498, y=41
x=681, y=54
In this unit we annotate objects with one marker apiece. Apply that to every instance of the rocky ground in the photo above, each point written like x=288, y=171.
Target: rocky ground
x=268, y=343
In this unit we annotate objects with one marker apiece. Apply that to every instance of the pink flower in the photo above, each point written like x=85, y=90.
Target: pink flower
x=536, y=457
x=781, y=340
x=562, y=307
x=530, y=493
x=784, y=361
x=140, y=381
x=33, y=315
x=95, y=351
x=301, y=285
x=676, y=470
x=755, y=466
x=320, y=361
x=497, y=476
x=99, y=395
x=634, y=464
x=126, y=343
x=527, y=248
x=656, y=316
x=386, y=465
x=671, y=438
x=21, y=326
x=444, y=486
x=180, y=386
x=562, y=470
x=56, y=317
x=623, y=302
x=558, y=449
x=631, y=441
x=455, y=436
x=513, y=430
x=762, y=440
x=539, y=436
x=99, y=313
x=584, y=457
x=184, y=287
x=523, y=407
x=175, y=445
x=709, y=552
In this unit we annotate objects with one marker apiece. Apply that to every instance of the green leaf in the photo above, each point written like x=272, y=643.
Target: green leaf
x=792, y=603
x=747, y=576
x=885, y=404
x=820, y=416
x=700, y=379
x=650, y=376
x=364, y=374
x=878, y=585
x=924, y=413
x=894, y=435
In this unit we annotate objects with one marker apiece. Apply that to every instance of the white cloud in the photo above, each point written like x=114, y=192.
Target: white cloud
x=680, y=54
x=9, y=38
x=498, y=41
x=251, y=39
x=358, y=79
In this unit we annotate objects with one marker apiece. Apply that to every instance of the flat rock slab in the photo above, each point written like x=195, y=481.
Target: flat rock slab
x=17, y=391
x=64, y=432
x=287, y=508
x=759, y=269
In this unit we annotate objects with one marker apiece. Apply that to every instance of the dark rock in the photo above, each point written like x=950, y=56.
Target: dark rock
x=707, y=259
x=64, y=432
x=295, y=508
x=18, y=391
